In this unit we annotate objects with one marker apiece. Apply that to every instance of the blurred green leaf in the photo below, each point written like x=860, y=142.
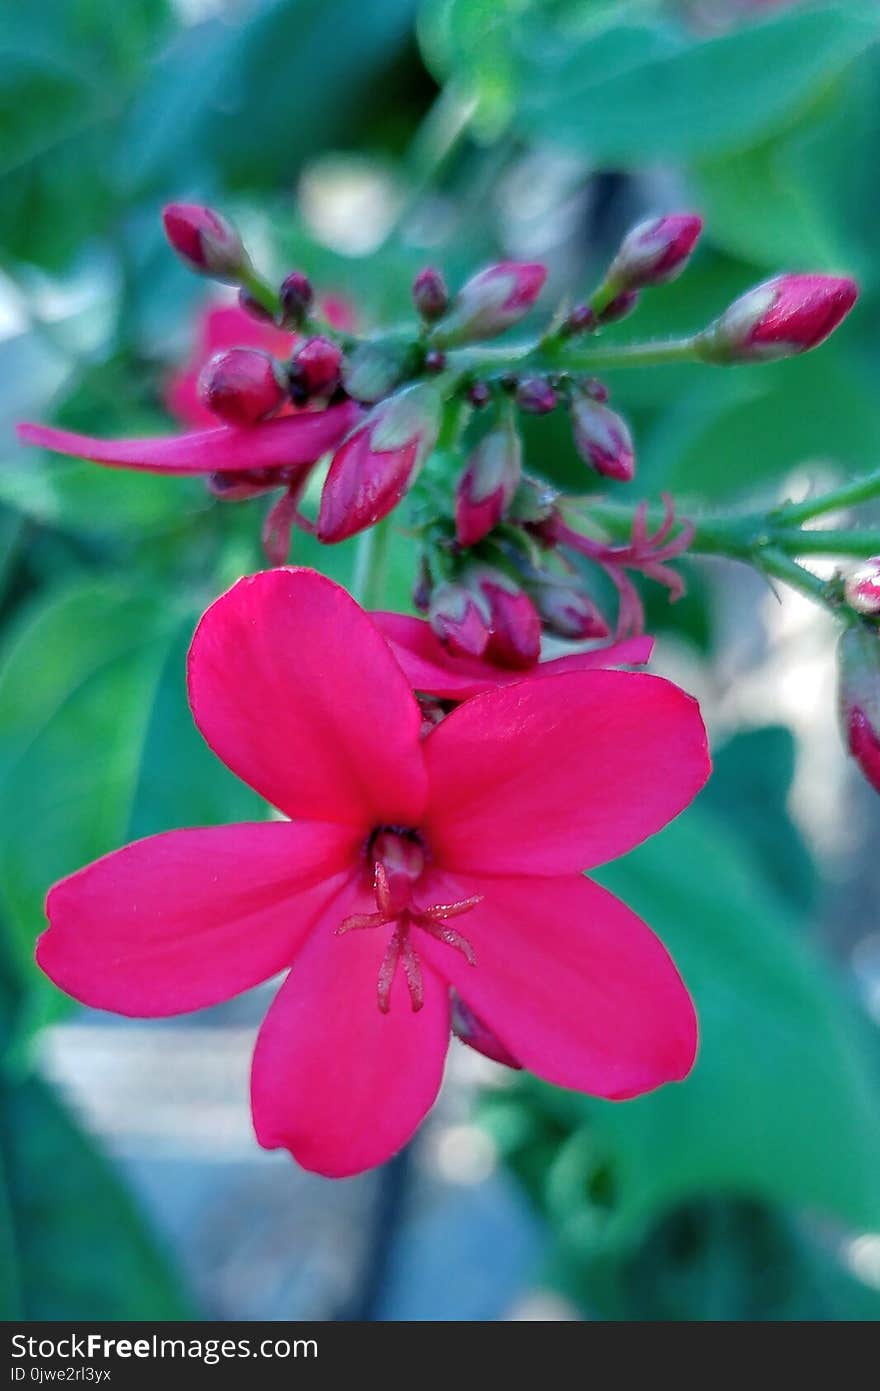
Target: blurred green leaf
x=784, y=1101
x=75, y=1246
x=632, y=95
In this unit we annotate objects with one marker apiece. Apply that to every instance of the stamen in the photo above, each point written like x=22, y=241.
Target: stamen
x=439, y=911
x=388, y=969
x=412, y=968
x=356, y=922
x=450, y=938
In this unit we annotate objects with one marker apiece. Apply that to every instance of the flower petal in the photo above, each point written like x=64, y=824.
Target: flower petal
x=549, y=776
x=335, y=1081
x=576, y=987
x=431, y=668
x=293, y=687
x=186, y=919
x=281, y=443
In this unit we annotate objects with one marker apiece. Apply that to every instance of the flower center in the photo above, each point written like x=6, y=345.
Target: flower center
x=396, y=858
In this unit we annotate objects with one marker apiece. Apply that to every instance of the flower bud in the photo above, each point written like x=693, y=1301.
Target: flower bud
x=373, y=468
x=430, y=295
x=581, y=320
x=785, y=316
x=655, y=252
x=492, y=301
x=205, y=241
x=602, y=438
x=314, y=369
x=250, y=305
x=862, y=587
x=460, y=618
x=296, y=296
x=469, y=1027
x=533, y=503
x=536, y=396
x=568, y=612
x=858, y=656
x=486, y=488
x=515, y=639
x=374, y=369
x=242, y=385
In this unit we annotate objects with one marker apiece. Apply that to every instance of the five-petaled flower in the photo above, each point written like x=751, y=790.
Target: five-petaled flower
x=412, y=867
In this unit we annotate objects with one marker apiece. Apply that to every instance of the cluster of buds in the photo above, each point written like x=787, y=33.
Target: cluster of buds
x=504, y=560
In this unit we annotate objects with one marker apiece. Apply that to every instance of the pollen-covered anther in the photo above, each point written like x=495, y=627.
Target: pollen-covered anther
x=398, y=863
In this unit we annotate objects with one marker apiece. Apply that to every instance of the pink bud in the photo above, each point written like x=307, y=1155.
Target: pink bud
x=536, y=396
x=602, y=439
x=858, y=655
x=373, y=468
x=460, y=618
x=314, y=370
x=430, y=295
x=515, y=639
x=296, y=296
x=242, y=385
x=655, y=251
x=862, y=587
x=568, y=612
x=205, y=241
x=492, y=301
x=488, y=484
x=787, y=315
x=581, y=319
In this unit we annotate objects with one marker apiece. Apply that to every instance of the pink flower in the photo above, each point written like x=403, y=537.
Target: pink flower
x=430, y=666
x=411, y=866
x=289, y=441
x=787, y=315
x=373, y=469
x=223, y=326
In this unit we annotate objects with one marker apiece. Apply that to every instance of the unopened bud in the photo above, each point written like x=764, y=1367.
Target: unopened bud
x=568, y=612
x=859, y=697
x=296, y=296
x=314, y=369
x=479, y=394
x=536, y=396
x=242, y=385
x=492, y=301
x=486, y=488
x=375, y=466
x=862, y=587
x=785, y=316
x=460, y=618
x=580, y=320
x=205, y=240
x=430, y=295
x=602, y=439
x=619, y=308
x=655, y=252
x=515, y=623
x=534, y=502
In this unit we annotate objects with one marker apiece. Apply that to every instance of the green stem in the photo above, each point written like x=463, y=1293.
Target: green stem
x=848, y=495
x=563, y=356
x=781, y=567
x=371, y=565
x=261, y=291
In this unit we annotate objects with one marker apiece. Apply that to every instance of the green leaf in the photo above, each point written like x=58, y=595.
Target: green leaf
x=784, y=1101
x=633, y=95
x=74, y=1245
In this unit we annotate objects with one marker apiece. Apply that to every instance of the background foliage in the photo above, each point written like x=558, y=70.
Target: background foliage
x=728, y=1196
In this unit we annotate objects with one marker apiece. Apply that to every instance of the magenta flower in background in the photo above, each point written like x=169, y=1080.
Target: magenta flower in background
x=411, y=866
